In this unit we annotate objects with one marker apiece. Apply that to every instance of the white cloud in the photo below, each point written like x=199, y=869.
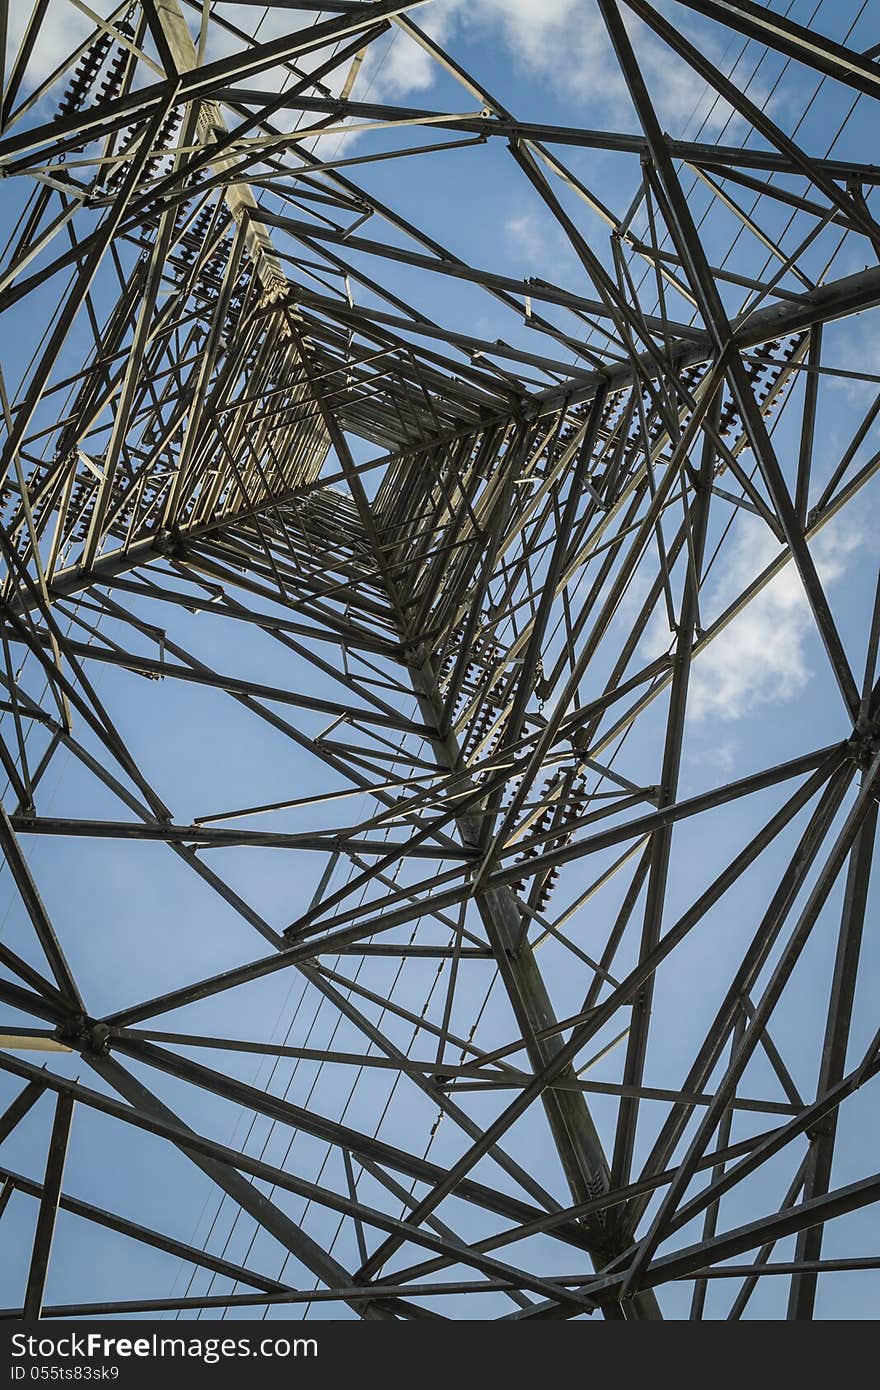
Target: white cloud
x=62, y=30
x=761, y=657
x=403, y=67
x=399, y=66
x=563, y=42
x=524, y=234
x=539, y=245
x=722, y=757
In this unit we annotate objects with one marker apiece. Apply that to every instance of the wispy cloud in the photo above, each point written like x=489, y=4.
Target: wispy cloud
x=720, y=757
x=762, y=657
x=524, y=235
x=62, y=30
x=538, y=245
x=561, y=42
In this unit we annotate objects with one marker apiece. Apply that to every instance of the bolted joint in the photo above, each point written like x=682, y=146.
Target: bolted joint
x=96, y=1040
x=865, y=744
x=71, y=1030
x=84, y=1035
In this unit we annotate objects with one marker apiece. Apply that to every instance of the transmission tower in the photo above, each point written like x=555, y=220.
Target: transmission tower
x=488, y=990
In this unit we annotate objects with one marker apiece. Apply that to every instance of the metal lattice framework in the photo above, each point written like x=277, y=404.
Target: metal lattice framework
x=559, y=1033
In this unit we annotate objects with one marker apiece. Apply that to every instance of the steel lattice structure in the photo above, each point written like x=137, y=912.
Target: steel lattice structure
x=560, y=1035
